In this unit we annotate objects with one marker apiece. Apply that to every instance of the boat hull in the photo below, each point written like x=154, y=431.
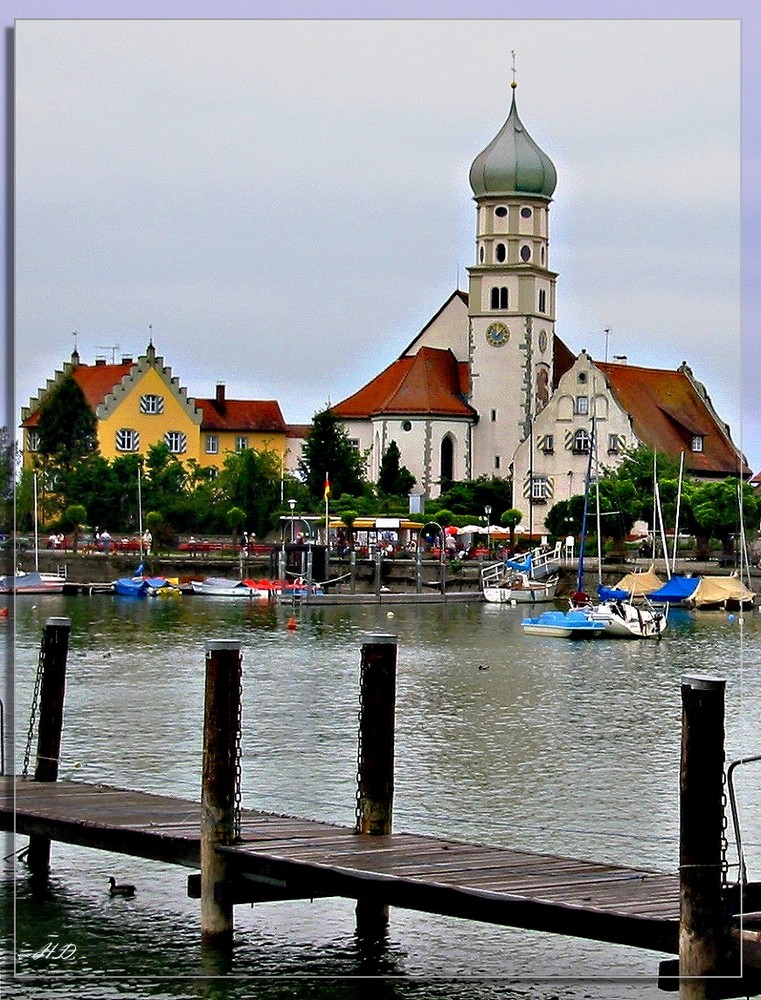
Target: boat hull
x=534, y=593
x=564, y=625
x=628, y=621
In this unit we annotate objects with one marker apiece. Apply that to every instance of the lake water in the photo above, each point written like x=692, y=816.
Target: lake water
x=570, y=748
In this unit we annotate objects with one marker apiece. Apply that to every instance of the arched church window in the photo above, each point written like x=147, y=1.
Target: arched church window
x=447, y=459
x=501, y=252
x=525, y=253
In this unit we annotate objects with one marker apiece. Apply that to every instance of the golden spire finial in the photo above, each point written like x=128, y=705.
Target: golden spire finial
x=513, y=84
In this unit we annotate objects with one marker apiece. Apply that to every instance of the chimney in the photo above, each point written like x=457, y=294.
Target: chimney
x=620, y=359
x=126, y=360
x=100, y=361
x=220, y=396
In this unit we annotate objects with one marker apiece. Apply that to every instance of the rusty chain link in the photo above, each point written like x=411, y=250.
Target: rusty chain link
x=33, y=710
x=238, y=758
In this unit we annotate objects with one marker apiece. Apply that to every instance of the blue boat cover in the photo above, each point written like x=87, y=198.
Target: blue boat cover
x=612, y=594
x=678, y=588
x=523, y=564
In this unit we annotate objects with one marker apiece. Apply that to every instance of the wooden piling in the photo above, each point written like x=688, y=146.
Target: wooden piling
x=220, y=784
x=702, y=926
x=55, y=648
x=375, y=760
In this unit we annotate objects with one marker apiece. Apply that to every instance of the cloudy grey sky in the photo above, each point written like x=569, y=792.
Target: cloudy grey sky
x=286, y=202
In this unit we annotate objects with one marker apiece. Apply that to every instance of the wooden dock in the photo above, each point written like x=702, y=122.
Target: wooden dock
x=248, y=856
x=282, y=857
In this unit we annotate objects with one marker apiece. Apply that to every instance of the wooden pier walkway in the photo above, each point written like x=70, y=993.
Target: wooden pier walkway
x=281, y=857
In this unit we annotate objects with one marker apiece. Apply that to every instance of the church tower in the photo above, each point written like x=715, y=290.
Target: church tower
x=511, y=302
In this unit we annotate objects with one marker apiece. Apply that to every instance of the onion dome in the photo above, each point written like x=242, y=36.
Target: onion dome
x=512, y=163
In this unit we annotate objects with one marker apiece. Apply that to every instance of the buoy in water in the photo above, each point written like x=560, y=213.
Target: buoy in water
x=389, y=614
x=731, y=618
x=291, y=623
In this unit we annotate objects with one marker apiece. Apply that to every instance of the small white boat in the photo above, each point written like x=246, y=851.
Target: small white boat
x=258, y=590
x=573, y=624
x=519, y=588
x=32, y=583
x=624, y=620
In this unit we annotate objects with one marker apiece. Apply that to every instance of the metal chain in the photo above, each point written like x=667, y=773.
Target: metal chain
x=33, y=710
x=357, y=806
x=238, y=767
x=724, y=824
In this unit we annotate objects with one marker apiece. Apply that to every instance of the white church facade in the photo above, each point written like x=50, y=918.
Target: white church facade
x=487, y=388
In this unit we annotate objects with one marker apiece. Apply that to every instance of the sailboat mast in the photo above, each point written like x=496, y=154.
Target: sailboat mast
x=676, y=520
x=140, y=511
x=36, y=530
x=580, y=571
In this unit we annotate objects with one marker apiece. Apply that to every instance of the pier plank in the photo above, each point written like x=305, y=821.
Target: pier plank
x=306, y=857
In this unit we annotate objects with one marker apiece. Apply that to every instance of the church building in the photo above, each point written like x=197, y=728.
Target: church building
x=471, y=392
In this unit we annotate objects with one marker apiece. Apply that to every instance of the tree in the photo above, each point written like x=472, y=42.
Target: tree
x=394, y=479
x=74, y=517
x=511, y=519
x=716, y=509
x=235, y=518
x=67, y=428
x=250, y=480
x=328, y=451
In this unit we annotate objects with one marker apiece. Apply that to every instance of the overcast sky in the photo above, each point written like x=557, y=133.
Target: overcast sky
x=286, y=202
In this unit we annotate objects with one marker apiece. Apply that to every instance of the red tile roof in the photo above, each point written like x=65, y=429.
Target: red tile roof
x=667, y=411
x=241, y=415
x=95, y=381
x=431, y=381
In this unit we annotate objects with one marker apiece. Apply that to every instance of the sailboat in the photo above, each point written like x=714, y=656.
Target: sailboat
x=615, y=608
x=36, y=582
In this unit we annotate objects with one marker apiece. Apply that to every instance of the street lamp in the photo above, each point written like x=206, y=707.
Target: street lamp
x=292, y=505
x=487, y=511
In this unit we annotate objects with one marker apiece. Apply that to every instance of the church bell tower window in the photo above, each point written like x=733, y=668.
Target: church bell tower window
x=499, y=298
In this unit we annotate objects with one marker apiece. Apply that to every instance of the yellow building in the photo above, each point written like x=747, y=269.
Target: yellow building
x=139, y=403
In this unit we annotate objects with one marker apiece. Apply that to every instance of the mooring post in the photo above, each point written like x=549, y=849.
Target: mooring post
x=353, y=572
x=378, y=570
x=418, y=569
x=55, y=648
x=375, y=758
x=220, y=784
x=702, y=922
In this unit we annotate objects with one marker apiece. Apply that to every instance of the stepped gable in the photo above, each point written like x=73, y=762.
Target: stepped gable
x=429, y=382
x=127, y=383
x=96, y=382
x=667, y=410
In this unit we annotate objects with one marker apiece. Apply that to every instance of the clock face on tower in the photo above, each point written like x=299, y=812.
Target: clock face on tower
x=497, y=334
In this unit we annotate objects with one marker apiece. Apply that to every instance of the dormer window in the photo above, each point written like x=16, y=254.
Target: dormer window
x=150, y=403
x=697, y=442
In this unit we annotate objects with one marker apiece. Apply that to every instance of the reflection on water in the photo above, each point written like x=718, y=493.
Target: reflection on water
x=501, y=738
